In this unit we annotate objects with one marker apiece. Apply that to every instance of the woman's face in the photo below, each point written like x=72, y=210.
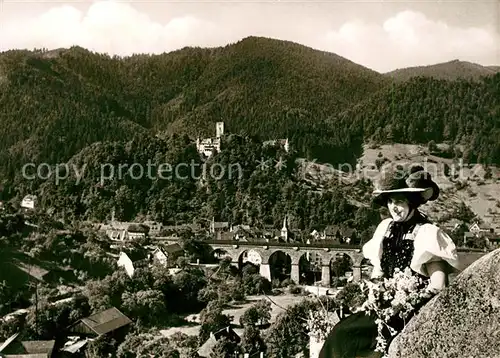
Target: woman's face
x=399, y=207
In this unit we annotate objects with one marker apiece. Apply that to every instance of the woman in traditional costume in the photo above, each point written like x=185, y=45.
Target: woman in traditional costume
x=407, y=239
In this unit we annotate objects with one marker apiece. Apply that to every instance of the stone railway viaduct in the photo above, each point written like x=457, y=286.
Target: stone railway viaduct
x=327, y=252
x=295, y=251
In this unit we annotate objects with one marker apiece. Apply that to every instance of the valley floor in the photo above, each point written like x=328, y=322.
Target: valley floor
x=278, y=305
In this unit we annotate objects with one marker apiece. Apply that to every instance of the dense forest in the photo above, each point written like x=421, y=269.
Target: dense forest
x=452, y=70
x=462, y=113
x=54, y=104
x=231, y=186
x=86, y=109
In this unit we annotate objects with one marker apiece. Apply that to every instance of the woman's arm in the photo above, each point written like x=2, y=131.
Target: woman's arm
x=437, y=274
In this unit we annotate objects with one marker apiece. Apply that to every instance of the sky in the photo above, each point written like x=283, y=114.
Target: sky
x=382, y=35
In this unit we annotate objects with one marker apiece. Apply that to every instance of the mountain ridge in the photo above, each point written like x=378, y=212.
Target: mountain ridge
x=451, y=70
x=327, y=106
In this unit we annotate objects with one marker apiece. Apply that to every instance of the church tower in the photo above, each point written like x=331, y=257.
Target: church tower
x=284, y=230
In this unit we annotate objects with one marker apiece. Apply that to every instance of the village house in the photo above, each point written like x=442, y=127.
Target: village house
x=242, y=233
x=481, y=231
x=29, y=203
x=15, y=348
x=206, y=349
x=74, y=347
x=269, y=232
x=172, y=230
x=154, y=227
x=101, y=323
x=477, y=228
x=108, y=322
x=27, y=271
x=126, y=262
x=336, y=233
x=167, y=255
x=124, y=231
x=254, y=355
x=284, y=234
x=227, y=236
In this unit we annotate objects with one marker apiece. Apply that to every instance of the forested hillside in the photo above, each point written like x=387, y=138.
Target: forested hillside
x=55, y=103
x=90, y=109
x=243, y=192
x=452, y=70
x=424, y=109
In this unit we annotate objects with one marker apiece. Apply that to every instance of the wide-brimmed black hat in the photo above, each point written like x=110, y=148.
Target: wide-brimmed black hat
x=414, y=181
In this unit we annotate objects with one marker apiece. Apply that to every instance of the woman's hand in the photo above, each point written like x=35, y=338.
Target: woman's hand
x=436, y=271
x=377, y=280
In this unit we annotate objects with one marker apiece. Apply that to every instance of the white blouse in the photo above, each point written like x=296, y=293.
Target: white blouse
x=430, y=243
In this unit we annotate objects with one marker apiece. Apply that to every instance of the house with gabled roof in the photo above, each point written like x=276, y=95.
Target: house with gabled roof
x=101, y=323
x=126, y=262
x=15, y=348
x=206, y=349
x=167, y=255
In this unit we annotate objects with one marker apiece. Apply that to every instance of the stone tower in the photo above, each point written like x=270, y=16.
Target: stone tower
x=284, y=230
x=219, y=129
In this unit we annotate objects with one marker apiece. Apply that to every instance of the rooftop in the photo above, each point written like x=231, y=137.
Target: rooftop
x=106, y=321
x=12, y=347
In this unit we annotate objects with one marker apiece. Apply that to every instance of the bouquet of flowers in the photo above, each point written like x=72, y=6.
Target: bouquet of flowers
x=400, y=296
x=320, y=323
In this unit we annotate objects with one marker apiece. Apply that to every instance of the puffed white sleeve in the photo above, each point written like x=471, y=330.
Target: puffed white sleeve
x=372, y=250
x=433, y=244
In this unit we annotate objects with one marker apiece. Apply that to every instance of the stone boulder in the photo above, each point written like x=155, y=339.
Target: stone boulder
x=462, y=321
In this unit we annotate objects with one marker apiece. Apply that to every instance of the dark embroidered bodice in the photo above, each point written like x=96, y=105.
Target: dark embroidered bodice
x=397, y=246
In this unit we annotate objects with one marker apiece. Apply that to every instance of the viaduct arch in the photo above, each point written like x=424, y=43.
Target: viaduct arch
x=235, y=250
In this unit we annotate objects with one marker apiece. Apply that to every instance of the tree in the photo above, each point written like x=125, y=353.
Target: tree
x=487, y=172
x=147, y=306
x=288, y=336
x=224, y=348
x=255, y=284
x=232, y=291
x=195, y=248
x=186, y=345
x=350, y=296
x=252, y=341
x=102, y=346
x=145, y=345
x=212, y=320
x=464, y=213
x=8, y=328
x=479, y=242
x=188, y=282
x=258, y=313
x=106, y=293
x=49, y=321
